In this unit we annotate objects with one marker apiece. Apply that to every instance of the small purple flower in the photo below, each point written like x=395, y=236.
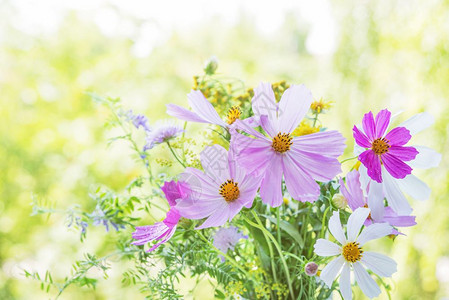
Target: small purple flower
x=141, y=121
x=379, y=213
x=384, y=149
x=220, y=192
x=300, y=160
x=162, y=231
x=163, y=132
x=227, y=238
x=99, y=218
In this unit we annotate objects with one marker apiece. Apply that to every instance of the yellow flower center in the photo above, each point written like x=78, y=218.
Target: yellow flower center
x=380, y=146
x=352, y=252
x=234, y=114
x=229, y=190
x=282, y=142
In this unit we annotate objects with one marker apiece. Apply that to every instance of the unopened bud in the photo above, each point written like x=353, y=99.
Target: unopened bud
x=311, y=268
x=211, y=65
x=339, y=201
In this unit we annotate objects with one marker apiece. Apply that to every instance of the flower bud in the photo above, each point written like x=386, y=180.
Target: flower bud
x=211, y=65
x=339, y=201
x=311, y=268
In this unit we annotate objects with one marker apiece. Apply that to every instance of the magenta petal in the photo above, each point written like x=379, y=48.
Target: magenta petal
x=369, y=127
x=172, y=217
x=403, y=153
x=396, y=167
x=372, y=163
x=145, y=234
x=163, y=238
x=398, y=136
x=271, y=187
x=171, y=191
x=300, y=185
x=184, y=114
x=360, y=138
x=382, y=121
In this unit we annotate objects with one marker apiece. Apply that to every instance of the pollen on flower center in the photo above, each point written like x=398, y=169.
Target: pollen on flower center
x=352, y=252
x=380, y=146
x=229, y=190
x=234, y=114
x=282, y=142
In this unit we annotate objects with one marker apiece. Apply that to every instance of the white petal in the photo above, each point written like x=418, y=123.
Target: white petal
x=326, y=248
x=374, y=231
x=380, y=264
x=345, y=282
x=336, y=229
x=355, y=222
x=364, y=178
x=368, y=286
x=418, y=122
x=358, y=150
x=330, y=272
x=376, y=200
x=414, y=187
x=427, y=158
x=394, y=195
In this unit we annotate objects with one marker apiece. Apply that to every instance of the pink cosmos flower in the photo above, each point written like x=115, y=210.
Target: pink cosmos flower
x=162, y=231
x=384, y=149
x=393, y=189
x=300, y=160
x=204, y=112
x=379, y=213
x=220, y=192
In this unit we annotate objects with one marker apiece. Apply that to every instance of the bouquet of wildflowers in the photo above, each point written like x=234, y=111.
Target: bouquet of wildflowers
x=260, y=207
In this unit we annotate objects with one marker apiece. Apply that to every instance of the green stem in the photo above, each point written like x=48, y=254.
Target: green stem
x=278, y=221
x=174, y=154
x=278, y=248
x=228, y=258
x=322, y=222
x=348, y=159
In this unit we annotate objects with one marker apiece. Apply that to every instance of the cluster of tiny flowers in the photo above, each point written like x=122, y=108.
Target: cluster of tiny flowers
x=277, y=144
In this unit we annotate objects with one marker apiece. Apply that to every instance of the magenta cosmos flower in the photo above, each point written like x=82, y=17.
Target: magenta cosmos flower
x=220, y=192
x=384, y=149
x=162, y=231
x=379, y=213
x=204, y=112
x=300, y=160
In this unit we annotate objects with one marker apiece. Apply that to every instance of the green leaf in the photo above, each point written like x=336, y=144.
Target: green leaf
x=288, y=228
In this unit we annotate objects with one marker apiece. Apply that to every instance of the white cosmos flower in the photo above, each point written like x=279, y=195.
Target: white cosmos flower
x=351, y=255
x=392, y=188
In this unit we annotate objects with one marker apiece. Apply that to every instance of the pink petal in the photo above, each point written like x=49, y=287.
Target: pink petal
x=398, y=136
x=404, y=153
x=396, y=220
x=294, y=105
x=360, y=138
x=300, y=185
x=271, y=187
x=327, y=143
x=369, y=127
x=218, y=218
x=264, y=103
x=372, y=163
x=269, y=125
x=382, y=121
x=214, y=160
x=353, y=193
x=319, y=167
x=184, y=114
x=396, y=167
x=255, y=157
x=204, y=109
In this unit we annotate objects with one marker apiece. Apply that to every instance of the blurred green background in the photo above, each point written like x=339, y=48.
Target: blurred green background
x=362, y=55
